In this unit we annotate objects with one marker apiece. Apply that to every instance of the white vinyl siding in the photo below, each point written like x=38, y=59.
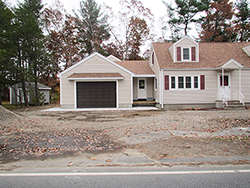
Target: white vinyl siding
x=193, y=95
x=96, y=65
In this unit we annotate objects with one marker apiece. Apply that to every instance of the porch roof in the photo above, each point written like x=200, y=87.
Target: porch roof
x=137, y=67
x=232, y=64
x=211, y=55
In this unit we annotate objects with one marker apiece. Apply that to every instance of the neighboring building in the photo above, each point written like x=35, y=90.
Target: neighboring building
x=180, y=75
x=16, y=91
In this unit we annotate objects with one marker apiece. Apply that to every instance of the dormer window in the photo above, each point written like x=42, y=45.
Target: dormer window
x=186, y=54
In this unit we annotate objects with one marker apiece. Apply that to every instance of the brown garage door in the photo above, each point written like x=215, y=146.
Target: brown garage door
x=96, y=94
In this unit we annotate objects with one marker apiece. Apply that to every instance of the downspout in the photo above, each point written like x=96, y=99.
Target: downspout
x=161, y=91
x=239, y=80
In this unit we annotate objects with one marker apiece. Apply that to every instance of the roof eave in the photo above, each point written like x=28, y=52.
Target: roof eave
x=97, y=78
x=144, y=75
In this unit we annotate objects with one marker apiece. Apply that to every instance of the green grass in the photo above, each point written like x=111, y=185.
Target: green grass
x=6, y=104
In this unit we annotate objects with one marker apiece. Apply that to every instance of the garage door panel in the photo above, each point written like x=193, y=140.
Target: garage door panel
x=96, y=94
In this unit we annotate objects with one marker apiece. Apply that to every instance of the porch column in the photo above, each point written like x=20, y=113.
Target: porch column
x=222, y=83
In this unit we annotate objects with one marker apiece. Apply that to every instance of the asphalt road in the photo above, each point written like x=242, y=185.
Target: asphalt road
x=207, y=176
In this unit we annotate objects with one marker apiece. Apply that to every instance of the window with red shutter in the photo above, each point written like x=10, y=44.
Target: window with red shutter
x=193, y=54
x=166, y=82
x=178, y=53
x=202, y=82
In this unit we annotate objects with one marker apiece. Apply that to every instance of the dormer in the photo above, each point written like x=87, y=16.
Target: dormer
x=185, y=50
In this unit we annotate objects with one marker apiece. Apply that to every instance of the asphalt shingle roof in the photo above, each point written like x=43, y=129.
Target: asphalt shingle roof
x=137, y=67
x=211, y=55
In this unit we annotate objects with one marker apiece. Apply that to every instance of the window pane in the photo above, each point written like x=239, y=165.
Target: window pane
x=155, y=83
x=173, y=82
x=188, y=81
x=196, y=84
x=141, y=84
x=225, y=80
x=180, y=82
x=186, y=53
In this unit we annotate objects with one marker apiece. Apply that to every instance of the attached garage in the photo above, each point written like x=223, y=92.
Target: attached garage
x=96, y=94
x=96, y=82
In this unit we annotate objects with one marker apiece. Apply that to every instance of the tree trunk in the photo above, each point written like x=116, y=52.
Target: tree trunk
x=25, y=93
x=37, y=103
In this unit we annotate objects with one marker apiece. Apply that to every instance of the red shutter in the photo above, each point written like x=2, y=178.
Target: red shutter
x=178, y=53
x=166, y=82
x=202, y=82
x=193, y=53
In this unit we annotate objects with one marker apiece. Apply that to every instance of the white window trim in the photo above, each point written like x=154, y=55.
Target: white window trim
x=198, y=82
x=170, y=82
x=191, y=82
x=182, y=53
x=190, y=54
x=225, y=74
x=184, y=82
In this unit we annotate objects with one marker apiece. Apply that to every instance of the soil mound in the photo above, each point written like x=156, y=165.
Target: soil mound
x=6, y=114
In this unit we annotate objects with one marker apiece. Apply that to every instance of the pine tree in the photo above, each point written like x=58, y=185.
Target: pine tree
x=7, y=48
x=217, y=25
x=92, y=26
x=30, y=41
x=243, y=20
x=183, y=14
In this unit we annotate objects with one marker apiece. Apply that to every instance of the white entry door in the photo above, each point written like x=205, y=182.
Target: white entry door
x=142, y=89
x=224, y=90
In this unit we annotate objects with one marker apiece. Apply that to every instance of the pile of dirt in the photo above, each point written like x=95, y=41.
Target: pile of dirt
x=5, y=114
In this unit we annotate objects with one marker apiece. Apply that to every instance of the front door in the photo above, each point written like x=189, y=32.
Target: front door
x=224, y=90
x=142, y=89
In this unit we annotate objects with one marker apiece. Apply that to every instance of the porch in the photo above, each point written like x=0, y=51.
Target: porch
x=229, y=93
x=143, y=91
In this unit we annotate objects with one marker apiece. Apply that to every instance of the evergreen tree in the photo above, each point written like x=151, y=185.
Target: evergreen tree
x=243, y=20
x=30, y=40
x=7, y=48
x=217, y=25
x=93, y=27
x=183, y=14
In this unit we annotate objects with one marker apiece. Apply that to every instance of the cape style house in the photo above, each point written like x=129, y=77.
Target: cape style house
x=180, y=75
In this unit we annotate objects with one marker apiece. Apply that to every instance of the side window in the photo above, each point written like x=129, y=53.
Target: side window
x=172, y=82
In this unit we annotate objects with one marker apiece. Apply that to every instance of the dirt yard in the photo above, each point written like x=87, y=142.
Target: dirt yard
x=32, y=133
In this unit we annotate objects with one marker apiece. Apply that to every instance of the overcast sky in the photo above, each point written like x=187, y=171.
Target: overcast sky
x=156, y=6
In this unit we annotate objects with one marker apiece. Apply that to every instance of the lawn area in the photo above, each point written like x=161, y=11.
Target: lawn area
x=6, y=104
